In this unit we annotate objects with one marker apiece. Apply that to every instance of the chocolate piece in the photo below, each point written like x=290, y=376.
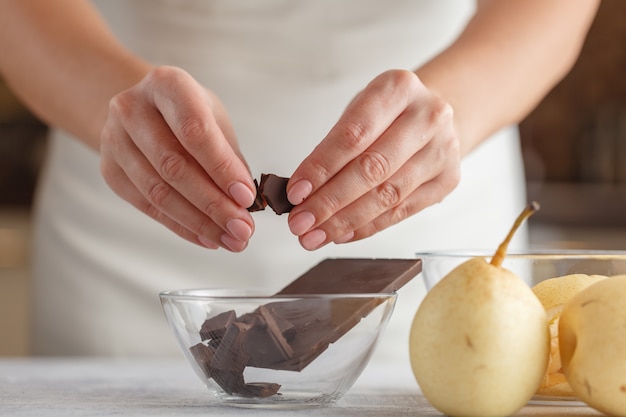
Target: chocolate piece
x=319, y=323
x=354, y=275
x=259, y=201
x=215, y=327
x=283, y=327
x=203, y=356
x=260, y=389
x=230, y=358
x=271, y=191
x=274, y=190
x=288, y=335
x=230, y=355
x=264, y=343
x=231, y=382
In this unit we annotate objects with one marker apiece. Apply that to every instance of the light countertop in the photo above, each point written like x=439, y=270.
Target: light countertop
x=150, y=387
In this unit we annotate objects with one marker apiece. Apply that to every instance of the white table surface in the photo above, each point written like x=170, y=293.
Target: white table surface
x=49, y=387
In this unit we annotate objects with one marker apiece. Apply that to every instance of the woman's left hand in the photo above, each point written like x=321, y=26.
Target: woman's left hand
x=392, y=153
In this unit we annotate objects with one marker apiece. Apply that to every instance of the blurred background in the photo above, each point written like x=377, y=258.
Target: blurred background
x=574, y=148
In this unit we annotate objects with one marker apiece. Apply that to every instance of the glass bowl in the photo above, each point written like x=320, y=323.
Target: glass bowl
x=256, y=350
x=532, y=267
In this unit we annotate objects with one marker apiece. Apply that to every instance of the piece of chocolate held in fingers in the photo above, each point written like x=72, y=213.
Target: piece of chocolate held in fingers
x=271, y=191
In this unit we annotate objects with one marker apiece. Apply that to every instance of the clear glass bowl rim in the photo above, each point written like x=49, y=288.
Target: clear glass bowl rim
x=245, y=294
x=539, y=254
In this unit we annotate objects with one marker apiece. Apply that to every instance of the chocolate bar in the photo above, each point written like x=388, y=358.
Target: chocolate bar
x=354, y=275
x=271, y=191
x=289, y=335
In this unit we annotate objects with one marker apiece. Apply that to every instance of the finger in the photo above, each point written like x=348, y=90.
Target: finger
x=119, y=182
x=233, y=233
x=359, y=126
x=410, y=132
x=389, y=200
x=175, y=176
x=430, y=193
x=189, y=116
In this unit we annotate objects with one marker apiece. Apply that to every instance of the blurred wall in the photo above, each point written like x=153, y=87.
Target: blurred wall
x=22, y=144
x=575, y=140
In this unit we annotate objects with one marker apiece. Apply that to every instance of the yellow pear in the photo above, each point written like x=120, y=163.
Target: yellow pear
x=553, y=294
x=479, y=341
x=592, y=341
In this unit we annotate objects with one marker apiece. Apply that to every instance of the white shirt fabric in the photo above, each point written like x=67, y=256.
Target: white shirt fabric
x=285, y=70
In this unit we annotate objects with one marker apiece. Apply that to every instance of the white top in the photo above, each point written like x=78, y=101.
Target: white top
x=285, y=71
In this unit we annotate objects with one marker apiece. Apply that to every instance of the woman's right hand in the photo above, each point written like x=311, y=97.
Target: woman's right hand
x=169, y=149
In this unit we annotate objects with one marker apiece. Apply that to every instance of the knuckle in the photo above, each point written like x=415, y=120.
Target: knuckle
x=122, y=104
x=364, y=232
x=373, y=227
x=318, y=169
x=343, y=225
x=172, y=167
x=163, y=74
x=353, y=134
x=193, y=130
x=152, y=211
x=402, y=78
x=402, y=81
x=373, y=166
x=159, y=194
x=399, y=213
x=221, y=166
x=211, y=207
x=329, y=203
x=388, y=194
x=440, y=112
x=205, y=227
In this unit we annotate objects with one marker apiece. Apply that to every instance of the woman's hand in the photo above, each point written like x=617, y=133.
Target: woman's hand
x=393, y=153
x=169, y=149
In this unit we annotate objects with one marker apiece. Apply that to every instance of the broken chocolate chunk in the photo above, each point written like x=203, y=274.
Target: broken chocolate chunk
x=282, y=325
x=259, y=201
x=231, y=355
x=215, y=327
x=231, y=382
x=272, y=191
x=264, y=343
x=203, y=356
x=260, y=389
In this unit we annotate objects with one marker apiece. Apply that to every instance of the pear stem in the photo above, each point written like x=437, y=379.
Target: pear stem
x=500, y=254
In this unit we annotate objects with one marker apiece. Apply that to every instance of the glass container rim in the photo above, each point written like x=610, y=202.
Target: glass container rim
x=528, y=254
x=246, y=294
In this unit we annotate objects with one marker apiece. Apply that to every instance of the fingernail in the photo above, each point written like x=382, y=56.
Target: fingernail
x=232, y=243
x=301, y=222
x=299, y=192
x=345, y=238
x=239, y=229
x=208, y=243
x=241, y=194
x=313, y=239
